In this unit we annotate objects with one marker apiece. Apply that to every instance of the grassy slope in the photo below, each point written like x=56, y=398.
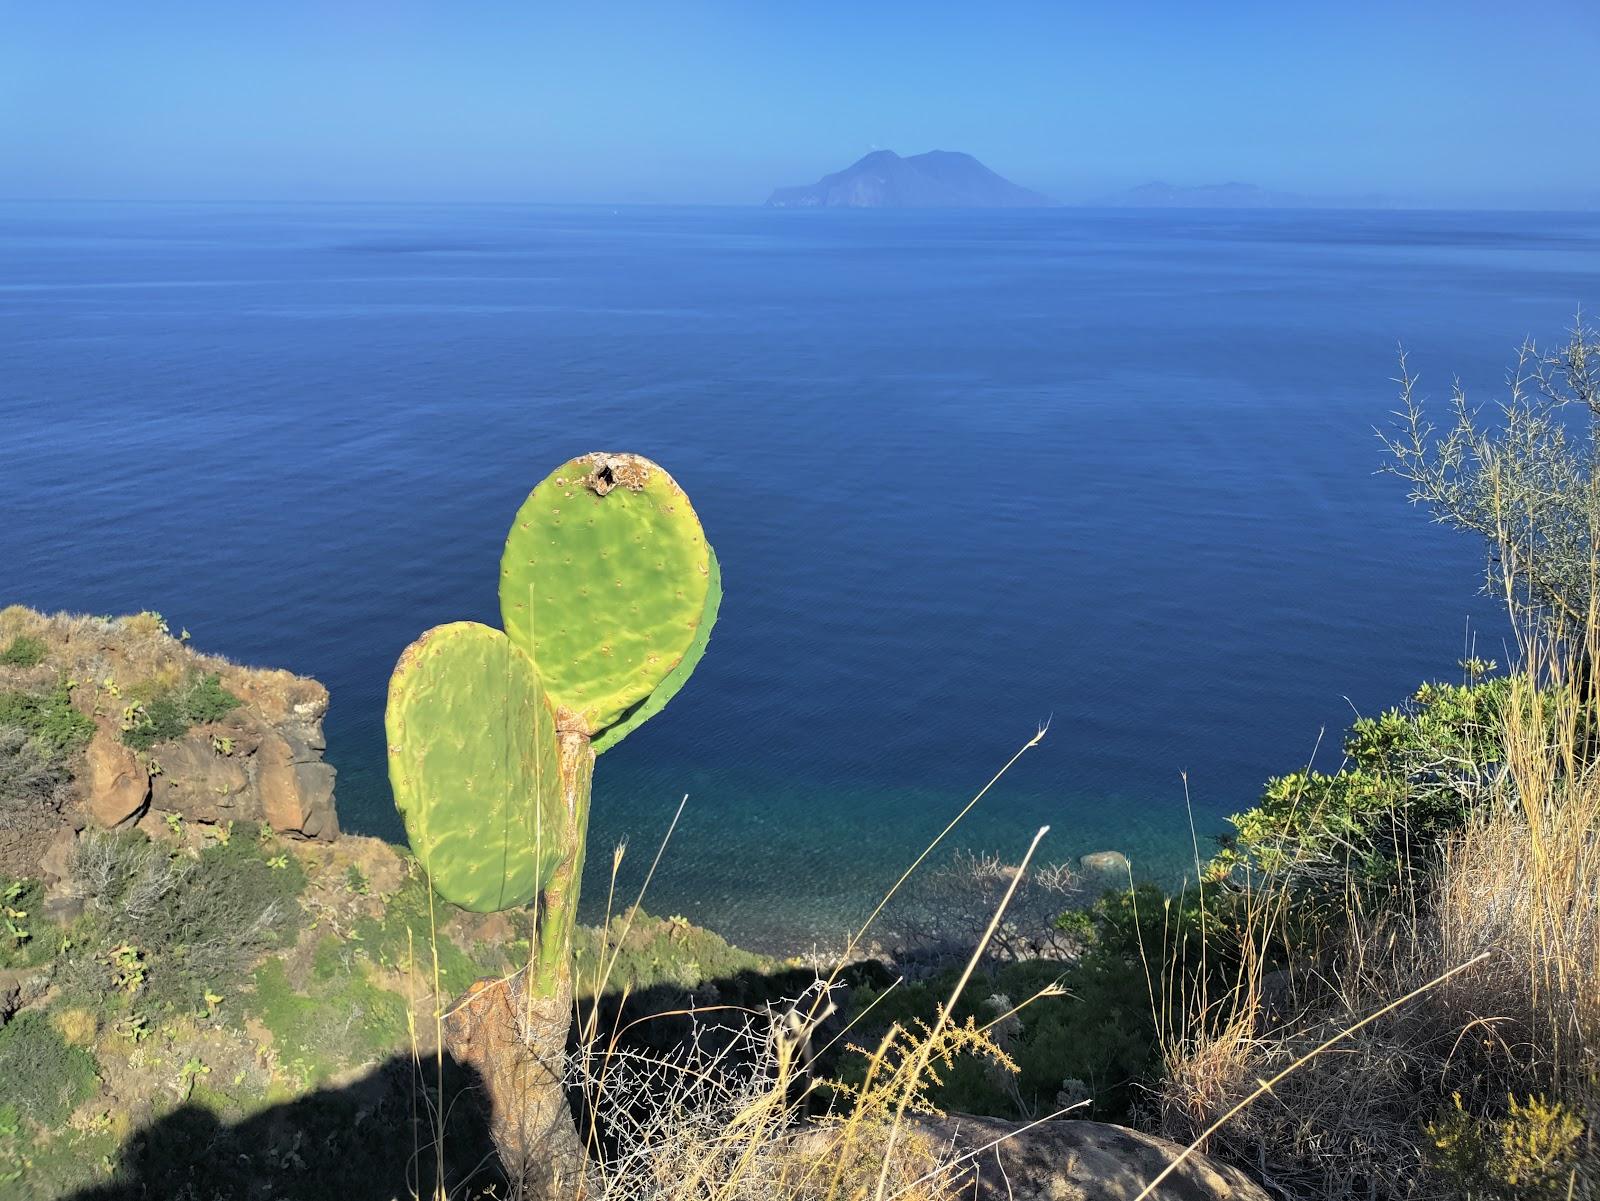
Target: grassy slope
x=351, y=988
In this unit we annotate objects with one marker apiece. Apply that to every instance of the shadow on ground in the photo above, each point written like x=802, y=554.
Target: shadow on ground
x=374, y=1138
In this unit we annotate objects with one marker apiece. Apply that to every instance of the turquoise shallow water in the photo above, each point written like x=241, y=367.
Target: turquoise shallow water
x=965, y=472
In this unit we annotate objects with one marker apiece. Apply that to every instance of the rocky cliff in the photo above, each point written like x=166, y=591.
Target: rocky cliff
x=115, y=722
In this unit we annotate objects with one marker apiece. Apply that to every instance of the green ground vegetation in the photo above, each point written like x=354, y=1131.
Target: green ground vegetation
x=24, y=650
x=48, y=718
x=168, y=713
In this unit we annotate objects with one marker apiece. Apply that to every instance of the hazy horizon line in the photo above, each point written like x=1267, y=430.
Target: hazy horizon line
x=1335, y=204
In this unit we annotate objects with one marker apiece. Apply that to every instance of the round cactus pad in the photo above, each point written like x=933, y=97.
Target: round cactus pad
x=604, y=584
x=474, y=765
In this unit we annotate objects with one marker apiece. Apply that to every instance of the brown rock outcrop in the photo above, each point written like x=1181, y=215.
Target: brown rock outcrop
x=295, y=787
x=55, y=865
x=260, y=763
x=116, y=783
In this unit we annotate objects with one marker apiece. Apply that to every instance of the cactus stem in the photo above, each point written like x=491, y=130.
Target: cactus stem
x=559, y=904
x=513, y=1030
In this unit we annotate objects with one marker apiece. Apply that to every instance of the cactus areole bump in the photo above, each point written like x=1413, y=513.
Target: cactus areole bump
x=608, y=592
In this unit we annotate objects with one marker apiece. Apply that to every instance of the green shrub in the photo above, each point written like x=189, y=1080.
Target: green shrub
x=406, y=928
x=1528, y=1154
x=169, y=715
x=159, y=721
x=1411, y=775
x=338, y=1018
x=207, y=700
x=23, y=651
x=49, y=718
x=651, y=951
x=232, y=906
x=45, y=1079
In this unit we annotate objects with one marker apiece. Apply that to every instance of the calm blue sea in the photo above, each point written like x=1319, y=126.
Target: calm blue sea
x=965, y=473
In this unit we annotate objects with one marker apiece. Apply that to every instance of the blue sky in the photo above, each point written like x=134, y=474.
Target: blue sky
x=1449, y=103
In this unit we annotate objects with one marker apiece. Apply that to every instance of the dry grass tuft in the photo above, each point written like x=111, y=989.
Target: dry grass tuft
x=114, y=655
x=725, y=1117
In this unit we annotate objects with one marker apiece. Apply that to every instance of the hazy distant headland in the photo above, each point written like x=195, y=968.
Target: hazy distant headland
x=937, y=179
x=953, y=179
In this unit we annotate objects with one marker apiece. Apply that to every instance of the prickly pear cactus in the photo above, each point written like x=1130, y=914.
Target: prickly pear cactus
x=608, y=591
x=607, y=582
x=473, y=761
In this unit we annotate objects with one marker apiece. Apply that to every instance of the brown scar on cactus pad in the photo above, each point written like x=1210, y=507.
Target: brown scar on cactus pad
x=617, y=471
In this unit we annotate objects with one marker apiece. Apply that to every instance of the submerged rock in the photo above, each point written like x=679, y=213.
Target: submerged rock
x=1105, y=862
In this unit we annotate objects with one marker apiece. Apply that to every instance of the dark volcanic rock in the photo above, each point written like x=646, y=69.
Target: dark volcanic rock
x=937, y=179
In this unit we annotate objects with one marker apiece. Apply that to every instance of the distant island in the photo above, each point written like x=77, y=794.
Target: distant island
x=1158, y=194
x=937, y=179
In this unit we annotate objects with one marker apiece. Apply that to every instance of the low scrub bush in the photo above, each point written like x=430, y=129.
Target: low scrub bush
x=23, y=651
x=658, y=953
x=1088, y=1028
x=1530, y=1153
x=170, y=713
x=45, y=1078
x=165, y=929
x=49, y=719
x=407, y=934
x=32, y=778
x=337, y=1018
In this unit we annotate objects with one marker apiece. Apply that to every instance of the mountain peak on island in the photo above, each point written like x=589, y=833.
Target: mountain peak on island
x=936, y=179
